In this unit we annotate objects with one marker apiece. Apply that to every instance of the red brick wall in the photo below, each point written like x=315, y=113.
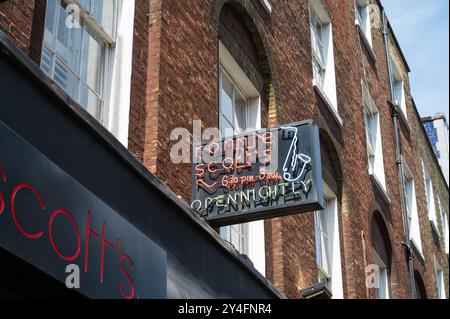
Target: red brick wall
x=23, y=21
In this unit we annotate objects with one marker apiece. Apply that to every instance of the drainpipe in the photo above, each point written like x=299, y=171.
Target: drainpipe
x=396, y=118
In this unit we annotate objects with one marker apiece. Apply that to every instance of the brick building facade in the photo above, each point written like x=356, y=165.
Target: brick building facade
x=178, y=56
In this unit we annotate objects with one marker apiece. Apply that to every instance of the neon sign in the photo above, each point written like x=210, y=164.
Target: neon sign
x=264, y=174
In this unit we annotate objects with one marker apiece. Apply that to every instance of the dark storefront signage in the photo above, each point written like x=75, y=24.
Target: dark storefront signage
x=264, y=174
x=51, y=221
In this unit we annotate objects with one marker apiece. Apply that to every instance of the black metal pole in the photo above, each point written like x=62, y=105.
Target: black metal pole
x=395, y=118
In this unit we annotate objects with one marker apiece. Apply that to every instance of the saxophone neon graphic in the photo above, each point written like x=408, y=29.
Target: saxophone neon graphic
x=294, y=161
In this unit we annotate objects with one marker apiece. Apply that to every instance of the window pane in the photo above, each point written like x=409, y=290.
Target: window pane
x=318, y=240
x=86, y=4
x=93, y=56
x=372, y=128
x=235, y=237
x=103, y=13
x=408, y=194
x=363, y=16
x=46, y=60
x=325, y=254
x=226, y=98
x=90, y=101
x=63, y=32
x=68, y=41
x=382, y=291
x=226, y=129
x=322, y=241
x=50, y=11
x=240, y=112
x=65, y=78
x=319, y=74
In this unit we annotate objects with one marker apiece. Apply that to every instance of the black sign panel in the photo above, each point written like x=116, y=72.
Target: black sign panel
x=54, y=223
x=258, y=175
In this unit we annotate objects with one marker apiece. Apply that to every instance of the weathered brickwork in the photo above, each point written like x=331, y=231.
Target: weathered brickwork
x=23, y=21
x=175, y=81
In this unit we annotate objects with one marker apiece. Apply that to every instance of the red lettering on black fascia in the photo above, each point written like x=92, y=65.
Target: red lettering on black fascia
x=2, y=198
x=52, y=241
x=130, y=295
x=89, y=232
x=102, y=252
x=13, y=210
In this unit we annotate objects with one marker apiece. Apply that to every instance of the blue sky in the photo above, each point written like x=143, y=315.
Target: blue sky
x=421, y=27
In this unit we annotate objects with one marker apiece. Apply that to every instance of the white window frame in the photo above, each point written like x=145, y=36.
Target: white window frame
x=440, y=280
x=373, y=136
x=323, y=61
x=252, y=233
x=87, y=22
x=333, y=276
x=267, y=6
x=411, y=208
x=445, y=228
x=117, y=68
x=234, y=129
x=363, y=20
x=398, y=86
x=382, y=278
x=429, y=197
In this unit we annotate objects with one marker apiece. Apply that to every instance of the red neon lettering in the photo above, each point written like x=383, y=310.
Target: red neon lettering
x=13, y=211
x=228, y=145
x=52, y=241
x=128, y=277
x=89, y=231
x=212, y=164
x=2, y=203
x=102, y=252
x=230, y=161
x=2, y=199
x=118, y=246
x=200, y=170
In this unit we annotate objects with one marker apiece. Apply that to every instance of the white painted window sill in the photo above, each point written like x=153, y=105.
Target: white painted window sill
x=417, y=250
x=328, y=103
x=404, y=119
x=435, y=228
x=267, y=6
x=380, y=187
x=366, y=41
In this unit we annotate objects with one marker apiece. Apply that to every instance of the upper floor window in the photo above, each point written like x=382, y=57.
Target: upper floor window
x=233, y=119
x=440, y=281
x=411, y=208
x=398, y=87
x=240, y=111
x=363, y=19
x=77, y=42
x=373, y=134
x=445, y=230
x=328, y=257
x=322, y=53
x=233, y=109
x=323, y=254
x=382, y=278
x=429, y=195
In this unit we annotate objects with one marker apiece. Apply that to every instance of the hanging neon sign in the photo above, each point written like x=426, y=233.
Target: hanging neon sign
x=258, y=175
